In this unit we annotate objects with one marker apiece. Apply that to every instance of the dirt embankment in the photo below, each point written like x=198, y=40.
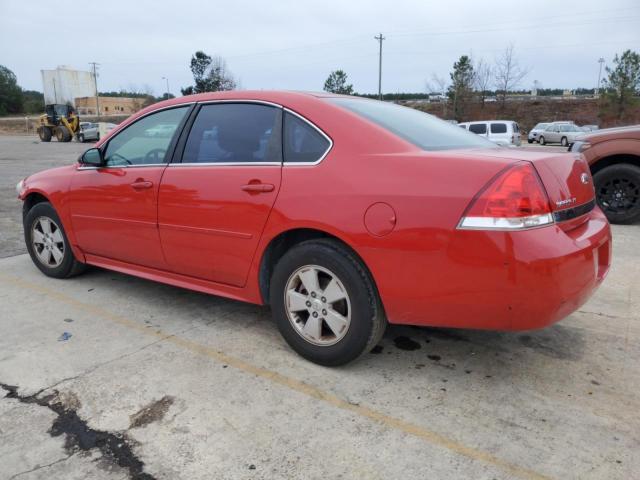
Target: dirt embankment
x=529, y=112
x=28, y=125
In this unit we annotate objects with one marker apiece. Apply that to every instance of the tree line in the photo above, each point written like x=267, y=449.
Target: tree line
x=469, y=81
x=472, y=81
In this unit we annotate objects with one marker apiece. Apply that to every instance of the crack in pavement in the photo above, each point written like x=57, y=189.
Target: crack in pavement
x=115, y=447
x=40, y=467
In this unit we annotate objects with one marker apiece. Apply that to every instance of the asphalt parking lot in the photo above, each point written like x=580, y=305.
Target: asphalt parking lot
x=112, y=377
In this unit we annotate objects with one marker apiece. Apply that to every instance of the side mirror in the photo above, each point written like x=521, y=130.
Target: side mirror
x=92, y=157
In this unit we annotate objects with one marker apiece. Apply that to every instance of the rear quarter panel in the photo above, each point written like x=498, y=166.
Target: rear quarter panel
x=428, y=193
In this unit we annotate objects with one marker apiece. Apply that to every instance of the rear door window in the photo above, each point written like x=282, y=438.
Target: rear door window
x=498, y=128
x=235, y=133
x=479, y=128
x=303, y=143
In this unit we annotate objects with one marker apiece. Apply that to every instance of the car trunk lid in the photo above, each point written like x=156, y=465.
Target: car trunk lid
x=565, y=176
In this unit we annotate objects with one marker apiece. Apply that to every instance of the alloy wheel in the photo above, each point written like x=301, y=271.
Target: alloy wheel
x=317, y=305
x=619, y=195
x=47, y=242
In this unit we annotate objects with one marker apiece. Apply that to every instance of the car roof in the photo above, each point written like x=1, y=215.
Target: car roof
x=487, y=121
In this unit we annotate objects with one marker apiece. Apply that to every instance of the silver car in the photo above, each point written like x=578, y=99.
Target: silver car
x=563, y=133
x=535, y=131
x=91, y=131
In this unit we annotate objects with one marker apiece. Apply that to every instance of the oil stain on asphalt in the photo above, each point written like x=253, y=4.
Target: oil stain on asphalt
x=405, y=343
x=115, y=447
x=153, y=412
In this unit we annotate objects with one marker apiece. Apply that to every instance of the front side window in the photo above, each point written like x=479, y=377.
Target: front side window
x=498, y=128
x=479, y=128
x=235, y=133
x=421, y=129
x=302, y=142
x=140, y=143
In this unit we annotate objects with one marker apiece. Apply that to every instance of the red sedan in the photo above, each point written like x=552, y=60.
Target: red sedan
x=341, y=213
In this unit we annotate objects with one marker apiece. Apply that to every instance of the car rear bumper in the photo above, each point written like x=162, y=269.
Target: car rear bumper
x=501, y=280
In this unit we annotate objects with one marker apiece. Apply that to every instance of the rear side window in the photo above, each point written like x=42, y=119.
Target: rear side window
x=234, y=133
x=302, y=142
x=498, y=128
x=421, y=129
x=516, y=127
x=478, y=128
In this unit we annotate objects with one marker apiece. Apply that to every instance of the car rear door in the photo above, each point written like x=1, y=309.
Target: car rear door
x=114, y=208
x=216, y=196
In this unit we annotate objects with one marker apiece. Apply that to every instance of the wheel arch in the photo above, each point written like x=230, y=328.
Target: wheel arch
x=286, y=240
x=31, y=199
x=615, y=159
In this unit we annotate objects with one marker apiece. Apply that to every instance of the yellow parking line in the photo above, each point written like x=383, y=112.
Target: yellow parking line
x=288, y=382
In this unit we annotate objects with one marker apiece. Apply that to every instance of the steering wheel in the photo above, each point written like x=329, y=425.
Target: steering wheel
x=155, y=156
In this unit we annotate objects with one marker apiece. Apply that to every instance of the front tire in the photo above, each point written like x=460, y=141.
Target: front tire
x=47, y=243
x=618, y=192
x=325, y=304
x=564, y=142
x=541, y=140
x=81, y=138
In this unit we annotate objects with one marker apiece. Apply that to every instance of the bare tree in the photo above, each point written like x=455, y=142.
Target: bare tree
x=483, y=79
x=507, y=73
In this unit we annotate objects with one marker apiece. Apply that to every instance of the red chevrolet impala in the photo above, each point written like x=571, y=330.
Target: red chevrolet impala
x=341, y=213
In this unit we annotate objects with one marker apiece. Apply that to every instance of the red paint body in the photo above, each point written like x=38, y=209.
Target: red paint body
x=394, y=204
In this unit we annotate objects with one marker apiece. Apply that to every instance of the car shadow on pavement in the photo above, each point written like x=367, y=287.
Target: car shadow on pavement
x=481, y=351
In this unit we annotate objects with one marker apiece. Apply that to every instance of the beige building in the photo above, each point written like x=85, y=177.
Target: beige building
x=108, y=105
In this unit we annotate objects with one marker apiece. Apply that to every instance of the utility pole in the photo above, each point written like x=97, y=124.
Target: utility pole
x=380, y=38
x=95, y=83
x=601, y=62
x=165, y=78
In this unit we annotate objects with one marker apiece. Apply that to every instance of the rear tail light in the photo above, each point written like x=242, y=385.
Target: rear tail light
x=514, y=200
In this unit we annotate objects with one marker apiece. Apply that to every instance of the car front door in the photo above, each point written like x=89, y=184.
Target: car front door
x=114, y=207
x=215, y=199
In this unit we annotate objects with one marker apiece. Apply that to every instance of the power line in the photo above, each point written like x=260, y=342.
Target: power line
x=380, y=39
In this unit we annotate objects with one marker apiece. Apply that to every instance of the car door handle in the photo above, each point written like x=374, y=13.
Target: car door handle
x=258, y=187
x=141, y=184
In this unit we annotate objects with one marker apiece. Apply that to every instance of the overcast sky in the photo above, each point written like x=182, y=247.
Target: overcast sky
x=295, y=44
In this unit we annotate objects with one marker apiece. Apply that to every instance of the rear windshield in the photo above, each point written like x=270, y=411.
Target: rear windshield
x=423, y=130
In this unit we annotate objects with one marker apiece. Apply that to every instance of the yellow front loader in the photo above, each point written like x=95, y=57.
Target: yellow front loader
x=60, y=121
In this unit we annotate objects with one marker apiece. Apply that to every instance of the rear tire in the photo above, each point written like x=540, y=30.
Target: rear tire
x=541, y=140
x=564, y=142
x=47, y=243
x=529, y=140
x=618, y=192
x=45, y=134
x=337, y=274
